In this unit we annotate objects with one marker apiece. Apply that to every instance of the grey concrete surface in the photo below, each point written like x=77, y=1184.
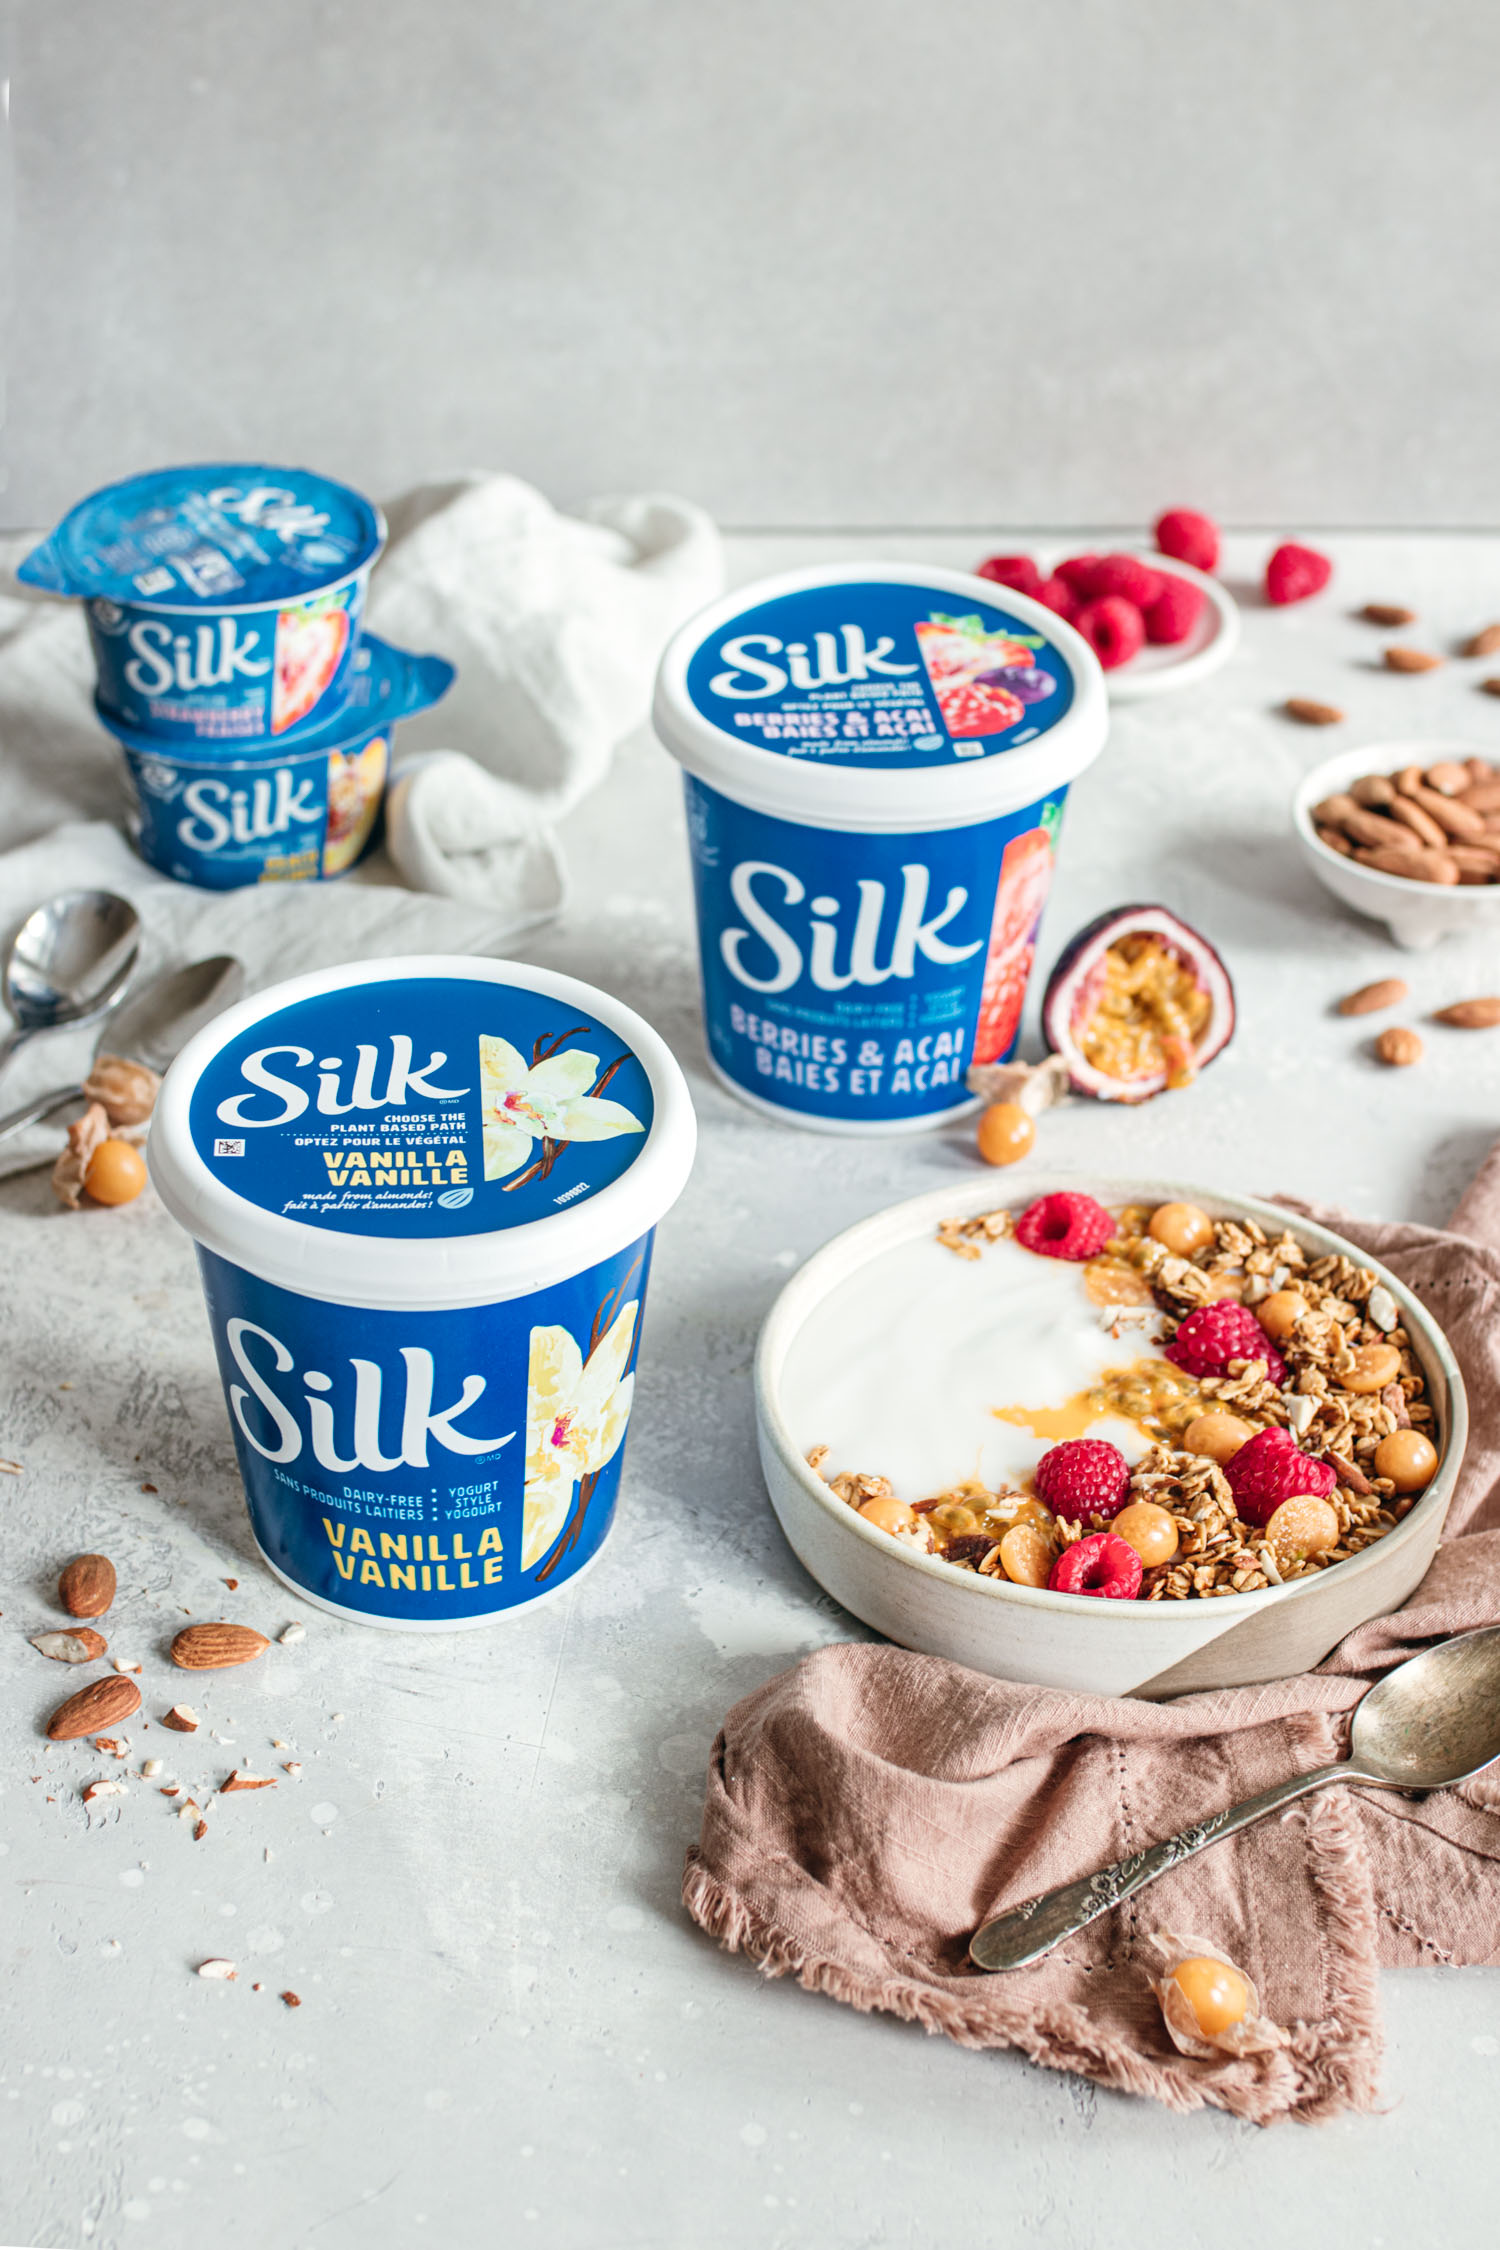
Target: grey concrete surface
x=510, y=2033
x=810, y=262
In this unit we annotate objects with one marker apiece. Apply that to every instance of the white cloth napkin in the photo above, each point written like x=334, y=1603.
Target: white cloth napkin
x=555, y=624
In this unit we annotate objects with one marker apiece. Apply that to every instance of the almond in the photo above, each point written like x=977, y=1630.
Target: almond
x=213, y=1648
x=1483, y=643
x=1476, y=863
x=1309, y=713
x=83, y=1647
x=1447, y=813
x=180, y=1719
x=1334, y=811
x=1373, y=790
x=1387, y=613
x=1490, y=686
x=1470, y=1015
x=1483, y=796
x=1389, y=992
x=1421, y=823
x=1374, y=828
x=100, y=1704
x=238, y=1780
x=1412, y=864
x=1398, y=1047
x=1448, y=777
x=1479, y=769
x=87, y=1586
x=1411, y=660
x=1335, y=840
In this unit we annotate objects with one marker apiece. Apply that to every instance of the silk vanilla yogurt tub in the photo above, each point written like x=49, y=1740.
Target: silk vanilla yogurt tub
x=876, y=759
x=423, y=1194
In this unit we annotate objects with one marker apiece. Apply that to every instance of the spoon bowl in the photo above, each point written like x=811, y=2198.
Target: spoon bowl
x=1434, y=1720
x=70, y=958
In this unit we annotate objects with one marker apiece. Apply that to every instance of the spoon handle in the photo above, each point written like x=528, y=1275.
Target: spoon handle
x=1015, y=1940
x=30, y=1113
x=13, y=1040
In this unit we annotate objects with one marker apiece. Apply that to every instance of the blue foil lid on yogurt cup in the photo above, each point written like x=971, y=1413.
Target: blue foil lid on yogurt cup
x=431, y=1131
x=208, y=536
x=881, y=694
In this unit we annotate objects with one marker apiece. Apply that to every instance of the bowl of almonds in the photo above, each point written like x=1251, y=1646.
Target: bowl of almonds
x=1407, y=832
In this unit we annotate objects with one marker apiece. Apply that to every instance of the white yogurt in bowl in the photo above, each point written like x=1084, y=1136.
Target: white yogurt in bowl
x=928, y=1369
x=932, y=1370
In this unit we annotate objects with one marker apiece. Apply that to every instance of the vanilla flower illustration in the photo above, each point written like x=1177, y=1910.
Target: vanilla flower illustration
x=550, y=1100
x=576, y=1412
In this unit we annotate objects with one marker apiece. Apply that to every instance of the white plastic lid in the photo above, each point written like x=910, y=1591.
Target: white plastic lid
x=881, y=696
x=425, y=1133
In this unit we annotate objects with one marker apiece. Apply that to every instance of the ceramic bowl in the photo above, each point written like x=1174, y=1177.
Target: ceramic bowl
x=1416, y=914
x=1057, y=1640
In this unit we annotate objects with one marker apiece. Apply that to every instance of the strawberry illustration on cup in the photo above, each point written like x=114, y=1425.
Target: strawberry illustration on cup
x=311, y=638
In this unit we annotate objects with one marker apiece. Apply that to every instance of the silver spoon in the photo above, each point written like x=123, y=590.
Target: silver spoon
x=70, y=958
x=150, y=1027
x=1432, y=1722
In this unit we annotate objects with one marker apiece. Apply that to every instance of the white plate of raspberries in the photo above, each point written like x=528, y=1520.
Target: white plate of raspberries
x=1155, y=618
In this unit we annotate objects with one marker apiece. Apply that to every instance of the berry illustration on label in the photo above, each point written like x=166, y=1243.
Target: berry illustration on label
x=1020, y=895
x=983, y=680
x=310, y=643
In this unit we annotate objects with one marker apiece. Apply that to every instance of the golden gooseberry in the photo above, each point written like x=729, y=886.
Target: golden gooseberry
x=116, y=1173
x=1303, y=1525
x=1374, y=1365
x=1279, y=1313
x=1149, y=1530
x=1005, y=1134
x=1218, y=1437
x=1027, y=1555
x=1181, y=1228
x=1218, y=1995
x=887, y=1513
x=1407, y=1458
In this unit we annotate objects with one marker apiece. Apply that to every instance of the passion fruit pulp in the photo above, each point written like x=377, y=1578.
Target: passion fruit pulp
x=1137, y=1005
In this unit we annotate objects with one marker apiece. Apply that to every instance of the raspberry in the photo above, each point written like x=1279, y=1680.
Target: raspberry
x=1077, y=571
x=1188, y=537
x=1114, y=629
x=1125, y=575
x=1083, y=1477
x=1065, y=1225
x=1059, y=595
x=1100, y=1564
x=1272, y=1468
x=1294, y=572
x=1016, y=571
x=1215, y=1334
x=1174, y=613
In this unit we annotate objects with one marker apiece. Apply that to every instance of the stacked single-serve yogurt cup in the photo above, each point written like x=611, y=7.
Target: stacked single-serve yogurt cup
x=225, y=605
x=876, y=762
x=424, y=1194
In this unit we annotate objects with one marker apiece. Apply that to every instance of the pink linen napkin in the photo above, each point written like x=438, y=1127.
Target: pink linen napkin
x=867, y=1810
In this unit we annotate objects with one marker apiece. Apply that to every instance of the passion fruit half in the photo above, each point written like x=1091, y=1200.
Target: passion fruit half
x=1137, y=1005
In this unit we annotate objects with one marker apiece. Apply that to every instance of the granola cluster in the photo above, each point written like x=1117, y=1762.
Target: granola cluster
x=1337, y=1324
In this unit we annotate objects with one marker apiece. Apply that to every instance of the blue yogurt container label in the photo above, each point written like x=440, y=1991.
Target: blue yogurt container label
x=301, y=811
x=877, y=761
x=224, y=600
x=856, y=976
x=424, y=1196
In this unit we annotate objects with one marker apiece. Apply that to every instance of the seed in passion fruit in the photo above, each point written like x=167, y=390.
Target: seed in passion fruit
x=116, y=1173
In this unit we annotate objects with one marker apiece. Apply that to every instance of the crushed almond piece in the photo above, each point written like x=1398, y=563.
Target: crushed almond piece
x=225, y=1971
x=238, y=1780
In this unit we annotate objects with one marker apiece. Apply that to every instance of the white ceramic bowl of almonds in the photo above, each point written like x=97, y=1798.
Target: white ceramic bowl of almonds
x=1025, y=1632
x=1416, y=913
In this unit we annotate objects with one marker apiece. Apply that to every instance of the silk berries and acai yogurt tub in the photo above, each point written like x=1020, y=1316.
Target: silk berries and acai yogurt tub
x=299, y=810
x=423, y=1193
x=223, y=599
x=876, y=760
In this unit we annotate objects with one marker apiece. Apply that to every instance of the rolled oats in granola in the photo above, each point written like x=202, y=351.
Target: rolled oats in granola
x=929, y=1388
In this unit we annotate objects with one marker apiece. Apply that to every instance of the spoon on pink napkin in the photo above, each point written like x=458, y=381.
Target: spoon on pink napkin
x=1432, y=1722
